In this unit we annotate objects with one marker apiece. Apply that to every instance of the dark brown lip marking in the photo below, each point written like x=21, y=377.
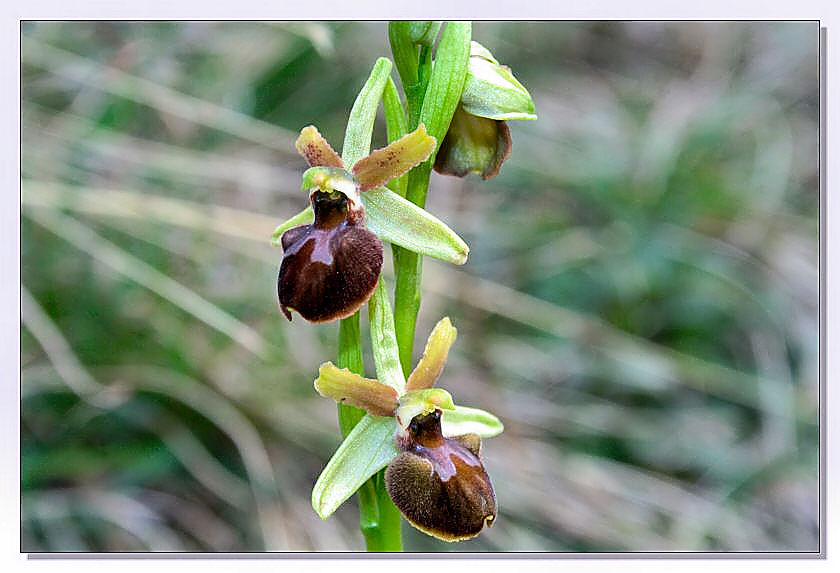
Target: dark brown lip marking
x=439, y=484
x=330, y=268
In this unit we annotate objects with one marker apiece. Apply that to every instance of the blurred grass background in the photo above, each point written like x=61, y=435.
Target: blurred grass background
x=640, y=306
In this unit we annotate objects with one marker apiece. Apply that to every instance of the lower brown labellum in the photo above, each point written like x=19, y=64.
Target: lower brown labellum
x=331, y=267
x=439, y=484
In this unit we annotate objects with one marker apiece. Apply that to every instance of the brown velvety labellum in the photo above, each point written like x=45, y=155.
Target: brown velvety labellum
x=439, y=484
x=329, y=268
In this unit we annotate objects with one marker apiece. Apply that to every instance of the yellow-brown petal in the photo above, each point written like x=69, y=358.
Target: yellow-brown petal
x=316, y=150
x=349, y=388
x=393, y=160
x=431, y=365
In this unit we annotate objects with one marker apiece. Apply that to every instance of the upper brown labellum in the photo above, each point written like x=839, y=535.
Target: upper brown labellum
x=330, y=268
x=439, y=484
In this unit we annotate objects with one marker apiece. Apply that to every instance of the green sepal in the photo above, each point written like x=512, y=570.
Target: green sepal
x=463, y=420
x=367, y=449
x=303, y=218
x=359, y=130
x=383, y=339
x=492, y=91
x=399, y=221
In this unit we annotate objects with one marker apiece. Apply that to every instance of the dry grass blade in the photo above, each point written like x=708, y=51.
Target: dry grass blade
x=48, y=132
x=221, y=412
x=137, y=270
x=162, y=98
x=661, y=363
x=58, y=350
x=181, y=442
x=116, y=508
x=118, y=203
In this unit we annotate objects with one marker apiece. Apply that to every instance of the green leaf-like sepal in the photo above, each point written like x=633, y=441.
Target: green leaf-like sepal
x=491, y=91
x=359, y=130
x=367, y=449
x=399, y=221
x=383, y=339
x=463, y=420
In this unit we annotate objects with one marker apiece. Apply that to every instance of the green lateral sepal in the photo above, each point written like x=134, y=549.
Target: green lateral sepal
x=463, y=420
x=368, y=448
x=399, y=221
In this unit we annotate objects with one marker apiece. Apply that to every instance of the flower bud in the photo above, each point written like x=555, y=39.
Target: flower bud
x=439, y=484
x=478, y=139
x=473, y=144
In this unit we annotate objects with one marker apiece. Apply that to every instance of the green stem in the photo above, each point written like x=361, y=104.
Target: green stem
x=379, y=519
x=350, y=357
x=434, y=105
x=408, y=268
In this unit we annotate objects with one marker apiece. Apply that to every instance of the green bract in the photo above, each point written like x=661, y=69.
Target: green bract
x=384, y=341
x=447, y=79
x=462, y=420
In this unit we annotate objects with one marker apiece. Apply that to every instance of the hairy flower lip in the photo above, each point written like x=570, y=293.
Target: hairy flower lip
x=330, y=268
x=439, y=484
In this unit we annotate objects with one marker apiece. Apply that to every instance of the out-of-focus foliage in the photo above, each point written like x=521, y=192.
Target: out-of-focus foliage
x=640, y=306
